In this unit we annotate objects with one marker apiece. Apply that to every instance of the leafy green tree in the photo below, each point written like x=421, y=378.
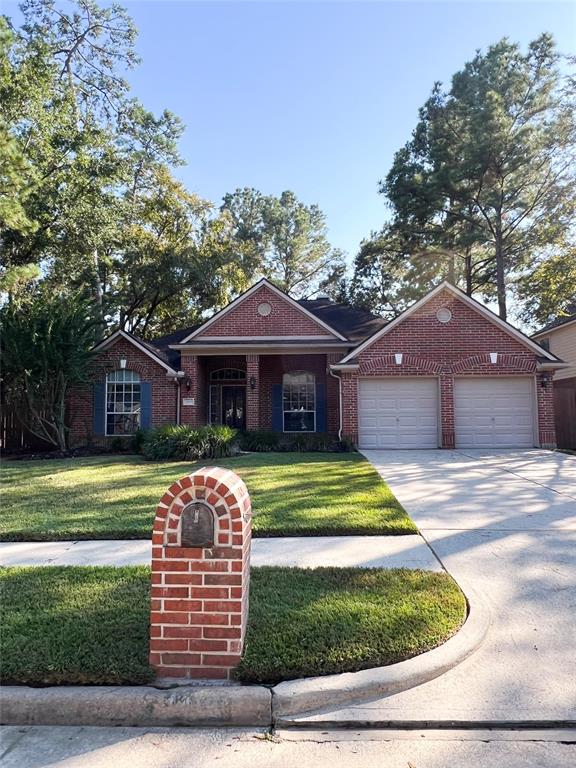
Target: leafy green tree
x=548, y=290
x=487, y=181
x=46, y=349
x=283, y=239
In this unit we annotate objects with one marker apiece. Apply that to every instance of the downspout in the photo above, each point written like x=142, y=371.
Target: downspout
x=178, y=381
x=331, y=372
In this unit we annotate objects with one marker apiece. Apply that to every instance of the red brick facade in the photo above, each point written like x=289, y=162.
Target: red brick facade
x=199, y=597
x=460, y=347
x=81, y=401
x=284, y=319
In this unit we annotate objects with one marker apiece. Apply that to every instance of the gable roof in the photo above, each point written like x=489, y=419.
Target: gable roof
x=158, y=355
x=475, y=305
x=239, y=299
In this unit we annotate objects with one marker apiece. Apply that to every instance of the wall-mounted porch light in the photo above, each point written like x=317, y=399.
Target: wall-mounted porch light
x=123, y=363
x=545, y=379
x=252, y=382
x=188, y=382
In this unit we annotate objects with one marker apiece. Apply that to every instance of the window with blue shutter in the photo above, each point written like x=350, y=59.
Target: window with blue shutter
x=277, y=412
x=146, y=405
x=320, y=407
x=99, y=408
x=126, y=403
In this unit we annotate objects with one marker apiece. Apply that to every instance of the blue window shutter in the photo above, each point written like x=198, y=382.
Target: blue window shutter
x=320, y=407
x=146, y=405
x=99, y=408
x=277, y=414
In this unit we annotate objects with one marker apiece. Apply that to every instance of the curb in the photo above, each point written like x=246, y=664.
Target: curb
x=201, y=705
x=237, y=705
x=314, y=694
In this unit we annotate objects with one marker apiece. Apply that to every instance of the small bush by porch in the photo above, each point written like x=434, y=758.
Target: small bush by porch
x=114, y=497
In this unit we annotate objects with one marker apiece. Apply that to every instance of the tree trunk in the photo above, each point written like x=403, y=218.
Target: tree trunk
x=468, y=271
x=500, y=276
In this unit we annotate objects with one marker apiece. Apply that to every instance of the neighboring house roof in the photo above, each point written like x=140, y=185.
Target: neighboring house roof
x=158, y=355
x=558, y=323
x=480, y=308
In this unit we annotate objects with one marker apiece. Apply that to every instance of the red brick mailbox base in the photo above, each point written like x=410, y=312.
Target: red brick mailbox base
x=200, y=576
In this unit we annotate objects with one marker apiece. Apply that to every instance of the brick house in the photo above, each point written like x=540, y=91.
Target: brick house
x=446, y=372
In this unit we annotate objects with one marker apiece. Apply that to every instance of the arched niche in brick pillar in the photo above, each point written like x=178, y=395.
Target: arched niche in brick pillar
x=200, y=576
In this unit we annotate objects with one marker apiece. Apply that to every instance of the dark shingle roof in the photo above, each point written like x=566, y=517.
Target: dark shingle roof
x=355, y=324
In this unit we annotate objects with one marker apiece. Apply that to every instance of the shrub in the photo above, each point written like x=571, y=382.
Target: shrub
x=188, y=443
x=118, y=445
x=260, y=441
x=137, y=440
x=309, y=443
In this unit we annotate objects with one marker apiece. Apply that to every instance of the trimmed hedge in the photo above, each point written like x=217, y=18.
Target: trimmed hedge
x=263, y=441
x=188, y=443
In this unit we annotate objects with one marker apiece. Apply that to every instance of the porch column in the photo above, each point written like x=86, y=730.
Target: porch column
x=252, y=392
x=190, y=391
x=332, y=396
x=447, y=411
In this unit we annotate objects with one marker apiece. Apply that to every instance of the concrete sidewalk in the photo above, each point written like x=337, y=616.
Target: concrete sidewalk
x=82, y=747
x=503, y=522
x=409, y=551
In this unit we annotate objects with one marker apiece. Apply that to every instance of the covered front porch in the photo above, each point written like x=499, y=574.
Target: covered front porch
x=290, y=393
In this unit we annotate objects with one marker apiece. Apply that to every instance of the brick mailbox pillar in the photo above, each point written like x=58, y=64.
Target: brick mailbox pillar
x=200, y=576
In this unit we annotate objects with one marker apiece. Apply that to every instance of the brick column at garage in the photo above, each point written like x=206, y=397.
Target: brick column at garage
x=447, y=411
x=189, y=391
x=199, y=596
x=546, y=418
x=252, y=392
x=349, y=405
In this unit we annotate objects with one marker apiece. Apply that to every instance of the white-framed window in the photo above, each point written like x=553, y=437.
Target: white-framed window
x=123, y=397
x=228, y=374
x=299, y=402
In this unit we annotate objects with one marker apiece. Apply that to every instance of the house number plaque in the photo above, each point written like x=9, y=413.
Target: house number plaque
x=197, y=526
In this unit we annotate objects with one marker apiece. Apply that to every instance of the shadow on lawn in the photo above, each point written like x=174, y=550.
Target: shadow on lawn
x=307, y=494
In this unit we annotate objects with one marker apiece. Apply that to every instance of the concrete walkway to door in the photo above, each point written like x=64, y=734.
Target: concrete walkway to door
x=504, y=524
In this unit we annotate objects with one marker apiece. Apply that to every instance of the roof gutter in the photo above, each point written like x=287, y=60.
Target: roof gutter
x=552, y=366
x=345, y=367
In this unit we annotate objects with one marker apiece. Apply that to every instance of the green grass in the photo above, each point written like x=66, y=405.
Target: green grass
x=79, y=625
x=115, y=497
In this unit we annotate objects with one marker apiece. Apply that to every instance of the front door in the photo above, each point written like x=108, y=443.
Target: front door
x=234, y=407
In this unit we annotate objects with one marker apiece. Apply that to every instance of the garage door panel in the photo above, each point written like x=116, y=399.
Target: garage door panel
x=398, y=413
x=494, y=412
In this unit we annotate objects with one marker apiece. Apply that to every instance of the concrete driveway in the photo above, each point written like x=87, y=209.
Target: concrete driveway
x=504, y=524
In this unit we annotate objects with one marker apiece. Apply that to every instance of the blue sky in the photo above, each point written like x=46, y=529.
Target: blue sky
x=313, y=97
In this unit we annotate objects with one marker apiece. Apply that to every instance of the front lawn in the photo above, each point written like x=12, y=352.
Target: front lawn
x=79, y=625
x=114, y=497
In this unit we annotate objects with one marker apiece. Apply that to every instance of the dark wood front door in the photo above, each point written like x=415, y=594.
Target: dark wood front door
x=234, y=407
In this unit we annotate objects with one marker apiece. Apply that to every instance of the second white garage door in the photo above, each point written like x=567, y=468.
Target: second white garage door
x=494, y=412
x=398, y=413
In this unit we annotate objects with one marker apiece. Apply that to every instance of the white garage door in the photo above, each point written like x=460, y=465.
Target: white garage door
x=398, y=413
x=494, y=412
